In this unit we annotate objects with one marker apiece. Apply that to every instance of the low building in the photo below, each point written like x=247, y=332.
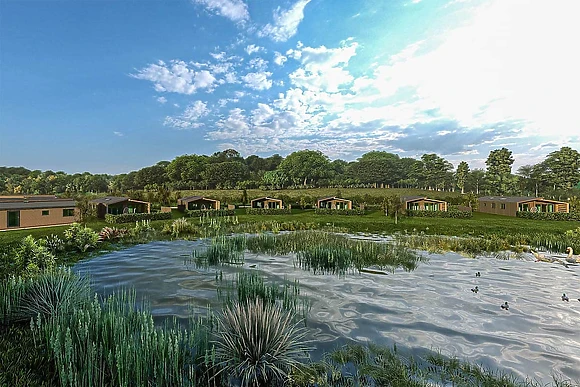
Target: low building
x=197, y=203
x=18, y=212
x=510, y=205
x=334, y=203
x=422, y=203
x=119, y=205
x=266, y=202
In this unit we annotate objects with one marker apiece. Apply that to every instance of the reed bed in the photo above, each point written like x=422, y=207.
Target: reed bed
x=246, y=287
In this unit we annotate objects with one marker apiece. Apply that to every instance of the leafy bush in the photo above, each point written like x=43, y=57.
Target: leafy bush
x=81, y=238
x=441, y=214
x=31, y=256
x=548, y=215
x=128, y=218
x=268, y=211
x=330, y=211
x=111, y=233
x=259, y=344
x=141, y=227
x=54, y=244
x=209, y=213
x=181, y=226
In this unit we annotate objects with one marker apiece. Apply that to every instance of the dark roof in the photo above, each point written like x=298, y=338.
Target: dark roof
x=109, y=200
x=333, y=198
x=414, y=198
x=34, y=204
x=195, y=198
x=506, y=199
x=29, y=198
x=265, y=198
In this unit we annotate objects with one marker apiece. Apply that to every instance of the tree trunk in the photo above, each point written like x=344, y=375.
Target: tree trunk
x=305, y=179
x=396, y=220
x=462, y=190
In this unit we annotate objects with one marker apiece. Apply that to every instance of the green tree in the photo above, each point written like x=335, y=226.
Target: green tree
x=305, y=165
x=393, y=206
x=499, y=171
x=377, y=168
x=226, y=174
x=564, y=168
x=461, y=175
x=476, y=180
x=275, y=179
x=435, y=171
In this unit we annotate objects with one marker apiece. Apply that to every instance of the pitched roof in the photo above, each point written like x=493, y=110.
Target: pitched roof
x=36, y=204
x=109, y=200
x=507, y=199
x=265, y=198
x=414, y=198
x=195, y=198
x=333, y=198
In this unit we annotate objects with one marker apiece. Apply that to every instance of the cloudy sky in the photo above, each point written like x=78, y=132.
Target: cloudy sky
x=113, y=86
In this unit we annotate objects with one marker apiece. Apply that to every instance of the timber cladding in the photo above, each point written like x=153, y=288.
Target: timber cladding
x=37, y=217
x=510, y=205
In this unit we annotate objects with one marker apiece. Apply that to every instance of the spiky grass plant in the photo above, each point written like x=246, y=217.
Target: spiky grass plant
x=259, y=344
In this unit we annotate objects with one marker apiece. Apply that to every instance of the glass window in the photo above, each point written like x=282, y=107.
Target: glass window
x=492, y=205
x=13, y=218
x=45, y=212
x=68, y=212
x=503, y=206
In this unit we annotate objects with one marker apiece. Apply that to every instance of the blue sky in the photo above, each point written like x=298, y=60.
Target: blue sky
x=110, y=87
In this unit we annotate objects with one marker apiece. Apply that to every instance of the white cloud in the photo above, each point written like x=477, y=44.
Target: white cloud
x=162, y=100
x=190, y=118
x=234, y=127
x=258, y=64
x=176, y=77
x=235, y=10
x=285, y=22
x=258, y=80
x=118, y=134
x=279, y=59
x=252, y=48
x=231, y=78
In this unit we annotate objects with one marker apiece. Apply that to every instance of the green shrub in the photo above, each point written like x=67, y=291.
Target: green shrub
x=259, y=344
x=181, y=226
x=548, y=215
x=54, y=244
x=441, y=214
x=268, y=211
x=330, y=211
x=111, y=233
x=31, y=256
x=209, y=213
x=81, y=238
x=128, y=218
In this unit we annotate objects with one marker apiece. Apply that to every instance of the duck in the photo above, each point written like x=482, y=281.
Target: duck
x=541, y=257
x=565, y=297
x=478, y=274
x=505, y=306
x=571, y=258
x=475, y=290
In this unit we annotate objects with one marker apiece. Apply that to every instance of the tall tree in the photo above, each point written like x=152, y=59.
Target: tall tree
x=305, y=165
x=564, y=167
x=377, y=168
x=476, y=180
x=499, y=171
x=461, y=175
x=435, y=170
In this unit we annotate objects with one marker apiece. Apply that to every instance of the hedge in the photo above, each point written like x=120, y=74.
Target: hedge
x=331, y=211
x=548, y=215
x=209, y=213
x=268, y=211
x=440, y=214
x=129, y=218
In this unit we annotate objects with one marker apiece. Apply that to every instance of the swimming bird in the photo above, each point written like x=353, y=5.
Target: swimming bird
x=541, y=257
x=475, y=290
x=505, y=306
x=478, y=274
x=571, y=258
x=565, y=297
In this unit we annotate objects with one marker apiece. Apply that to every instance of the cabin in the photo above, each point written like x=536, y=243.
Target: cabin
x=422, y=203
x=334, y=203
x=119, y=205
x=510, y=205
x=266, y=202
x=19, y=212
x=197, y=203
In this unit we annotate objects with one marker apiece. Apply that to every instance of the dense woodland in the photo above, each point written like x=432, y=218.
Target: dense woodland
x=557, y=176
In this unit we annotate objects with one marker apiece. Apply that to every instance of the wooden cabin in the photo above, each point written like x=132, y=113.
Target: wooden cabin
x=334, y=203
x=119, y=205
x=422, y=203
x=266, y=202
x=197, y=203
x=22, y=211
x=510, y=205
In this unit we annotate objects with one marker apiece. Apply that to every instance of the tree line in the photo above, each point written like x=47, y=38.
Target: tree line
x=557, y=175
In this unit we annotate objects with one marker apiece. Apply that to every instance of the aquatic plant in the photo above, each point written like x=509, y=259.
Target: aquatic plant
x=181, y=226
x=259, y=344
x=222, y=250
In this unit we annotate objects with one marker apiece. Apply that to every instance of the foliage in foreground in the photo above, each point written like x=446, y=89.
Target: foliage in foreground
x=259, y=344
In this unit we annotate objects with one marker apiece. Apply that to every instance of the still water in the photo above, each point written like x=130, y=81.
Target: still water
x=430, y=308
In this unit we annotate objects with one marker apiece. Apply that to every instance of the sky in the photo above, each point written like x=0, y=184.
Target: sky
x=113, y=86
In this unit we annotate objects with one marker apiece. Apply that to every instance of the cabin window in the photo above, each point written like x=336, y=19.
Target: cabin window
x=492, y=205
x=68, y=212
x=45, y=212
x=485, y=204
x=503, y=206
x=13, y=218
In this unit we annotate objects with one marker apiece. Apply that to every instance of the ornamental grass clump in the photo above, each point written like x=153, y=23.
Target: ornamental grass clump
x=259, y=344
